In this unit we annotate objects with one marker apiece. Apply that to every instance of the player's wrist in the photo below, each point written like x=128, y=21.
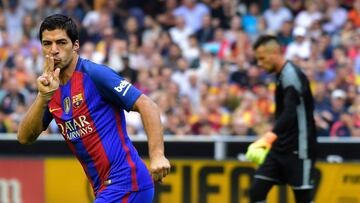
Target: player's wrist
x=270, y=137
x=156, y=154
x=44, y=98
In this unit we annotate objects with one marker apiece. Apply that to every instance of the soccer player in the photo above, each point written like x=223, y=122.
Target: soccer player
x=286, y=154
x=87, y=101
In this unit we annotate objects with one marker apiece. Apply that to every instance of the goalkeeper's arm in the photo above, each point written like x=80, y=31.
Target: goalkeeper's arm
x=258, y=150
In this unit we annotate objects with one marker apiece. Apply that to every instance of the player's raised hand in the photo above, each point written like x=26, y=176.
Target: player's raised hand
x=49, y=81
x=159, y=168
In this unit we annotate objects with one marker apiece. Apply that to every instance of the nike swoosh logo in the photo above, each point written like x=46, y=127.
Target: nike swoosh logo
x=52, y=110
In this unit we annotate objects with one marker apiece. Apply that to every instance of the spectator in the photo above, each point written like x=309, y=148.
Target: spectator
x=30, y=28
x=174, y=54
x=166, y=17
x=300, y=47
x=235, y=28
x=285, y=35
x=239, y=76
x=307, y=17
x=181, y=76
x=251, y=21
x=209, y=67
x=95, y=21
x=219, y=46
x=142, y=58
x=152, y=29
x=338, y=106
x=88, y=51
x=240, y=128
x=200, y=125
x=349, y=125
x=13, y=97
x=335, y=17
x=323, y=73
x=180, y=33
x=14, y=14
x=132, y=29
x=354, y=14
x=344, y=78
x=221, y=12
x=192, y=12
x=72, y=8
x=127, y=72
x=163, y=43
x=104, y=45
x=192, y=52
x=276, y=15
x=206, y=32
x=295, y=6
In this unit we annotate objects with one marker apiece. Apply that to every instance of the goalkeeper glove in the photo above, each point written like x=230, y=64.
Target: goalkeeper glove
x=258, y=150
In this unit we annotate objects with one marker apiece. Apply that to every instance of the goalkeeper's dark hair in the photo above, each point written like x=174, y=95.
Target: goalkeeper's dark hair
x=62, y=22
x=265, y=39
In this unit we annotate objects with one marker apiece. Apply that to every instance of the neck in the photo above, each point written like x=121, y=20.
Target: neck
x=67, y=72
x=280, y=64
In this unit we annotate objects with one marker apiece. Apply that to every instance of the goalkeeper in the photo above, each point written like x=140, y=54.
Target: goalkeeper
x=286, y=154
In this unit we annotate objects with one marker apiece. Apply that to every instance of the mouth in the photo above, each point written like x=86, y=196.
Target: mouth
x=56, y=61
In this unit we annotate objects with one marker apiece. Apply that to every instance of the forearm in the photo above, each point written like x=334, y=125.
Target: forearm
x=286, y=119
x=154, y=131
x=31, y=126
x=150, y=116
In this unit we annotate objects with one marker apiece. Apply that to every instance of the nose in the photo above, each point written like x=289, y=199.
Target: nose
x=54, y=49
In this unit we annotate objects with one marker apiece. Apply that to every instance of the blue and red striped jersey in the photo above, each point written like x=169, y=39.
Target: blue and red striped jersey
x=89, y=111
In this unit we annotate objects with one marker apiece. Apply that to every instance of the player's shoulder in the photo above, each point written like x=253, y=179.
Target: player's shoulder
x=290, y=75
x=291, y=70
x=91, y=67
x=95, y=70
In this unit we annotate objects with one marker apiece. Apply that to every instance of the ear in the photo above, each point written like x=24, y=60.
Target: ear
x=76, y=46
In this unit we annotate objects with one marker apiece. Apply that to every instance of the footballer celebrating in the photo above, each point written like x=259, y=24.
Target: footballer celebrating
x=87, y=101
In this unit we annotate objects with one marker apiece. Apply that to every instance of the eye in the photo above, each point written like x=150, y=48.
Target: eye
x=46, y=43
x=62, y=42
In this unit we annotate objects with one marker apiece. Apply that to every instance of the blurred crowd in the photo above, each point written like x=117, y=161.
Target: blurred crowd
x=195, y=58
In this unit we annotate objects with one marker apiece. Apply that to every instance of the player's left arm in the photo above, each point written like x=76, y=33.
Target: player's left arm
x=288, y=116
x=258, y=150
x=150, y=116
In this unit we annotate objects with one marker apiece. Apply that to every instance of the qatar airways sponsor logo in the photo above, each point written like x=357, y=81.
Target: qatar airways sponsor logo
x=123, y=87
x=75, y=128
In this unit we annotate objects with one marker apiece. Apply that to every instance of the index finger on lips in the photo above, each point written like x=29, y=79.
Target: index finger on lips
x=46, y=64
x=49, y=64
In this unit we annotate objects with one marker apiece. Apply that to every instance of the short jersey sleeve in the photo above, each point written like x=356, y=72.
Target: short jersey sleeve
x=113, y=87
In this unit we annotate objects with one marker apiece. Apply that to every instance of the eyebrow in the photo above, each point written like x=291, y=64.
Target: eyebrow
x=59, y=40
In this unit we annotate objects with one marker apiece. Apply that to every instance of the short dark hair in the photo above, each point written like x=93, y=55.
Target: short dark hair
x=264, y=39
x=59, y=21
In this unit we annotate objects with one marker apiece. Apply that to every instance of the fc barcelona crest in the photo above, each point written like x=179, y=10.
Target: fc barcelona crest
x=77, y=100
x=67, y=104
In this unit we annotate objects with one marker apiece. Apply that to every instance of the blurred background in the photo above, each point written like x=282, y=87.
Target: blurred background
x=194, y=58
